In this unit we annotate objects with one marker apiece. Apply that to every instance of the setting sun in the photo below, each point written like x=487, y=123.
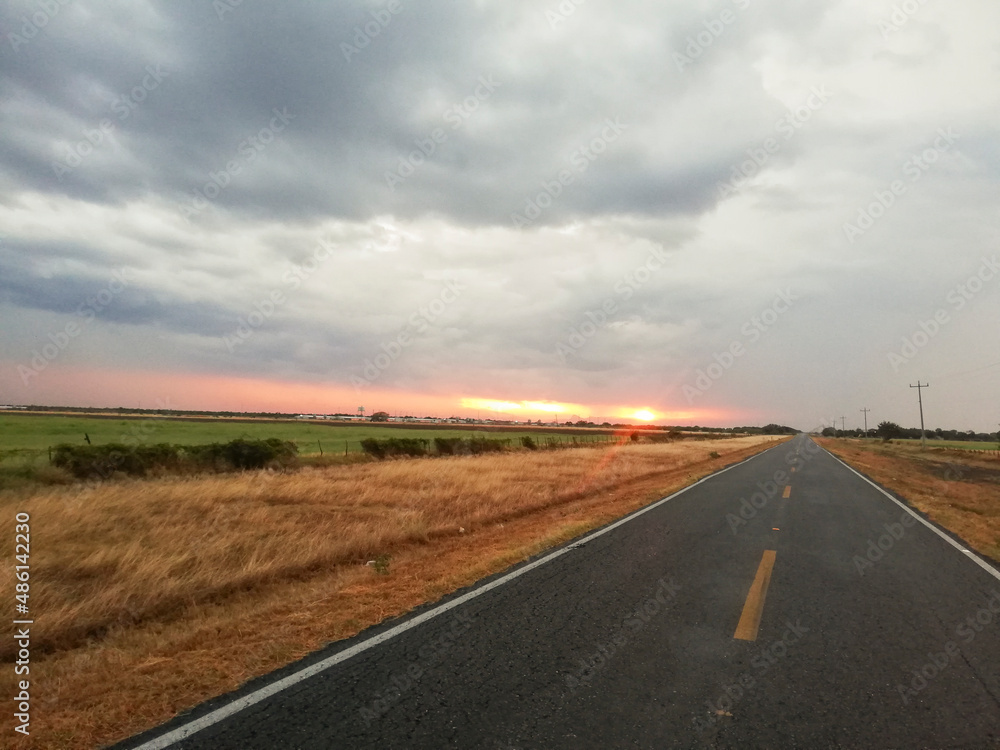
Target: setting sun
x=644, y=414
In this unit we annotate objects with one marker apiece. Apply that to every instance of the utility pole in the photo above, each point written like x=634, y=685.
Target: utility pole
x=866, y=410
x=843, y=427
x=920, y=398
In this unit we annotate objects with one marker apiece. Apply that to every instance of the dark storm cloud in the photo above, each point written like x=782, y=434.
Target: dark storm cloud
x=183, y=93
x=110, y=294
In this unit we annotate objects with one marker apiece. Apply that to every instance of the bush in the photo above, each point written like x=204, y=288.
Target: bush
x=85, y=461
x=394, y=447
x=486, y=445
x=450, y=446
x=529, y=443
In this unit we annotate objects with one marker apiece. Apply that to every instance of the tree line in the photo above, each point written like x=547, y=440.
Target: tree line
x=892, y=431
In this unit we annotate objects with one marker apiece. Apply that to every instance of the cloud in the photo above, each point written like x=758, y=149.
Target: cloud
x=536, y=158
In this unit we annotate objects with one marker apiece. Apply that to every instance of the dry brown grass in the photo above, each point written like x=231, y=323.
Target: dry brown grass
x=957, y=489
x=151, y=596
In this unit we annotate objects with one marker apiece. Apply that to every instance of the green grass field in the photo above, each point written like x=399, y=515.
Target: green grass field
x=954, y=444
x=35, y=434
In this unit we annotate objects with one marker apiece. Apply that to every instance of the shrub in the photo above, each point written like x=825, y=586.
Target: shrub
x=86, y=461
x=394, y=447
x=373, y=447
x=83, y=461
x=450, y=446
x=528, y=442
x=486, y=445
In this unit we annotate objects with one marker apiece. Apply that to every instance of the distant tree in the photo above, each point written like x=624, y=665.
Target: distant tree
x=777, y=429
x=889, y=430
x=380, y=416
x=829, y=432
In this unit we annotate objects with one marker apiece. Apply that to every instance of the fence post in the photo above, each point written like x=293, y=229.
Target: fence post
x=320, y=447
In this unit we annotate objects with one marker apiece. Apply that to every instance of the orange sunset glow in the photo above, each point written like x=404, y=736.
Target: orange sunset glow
x=194, y=391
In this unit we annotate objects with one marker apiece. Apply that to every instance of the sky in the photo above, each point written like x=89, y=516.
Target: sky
x=719, y=213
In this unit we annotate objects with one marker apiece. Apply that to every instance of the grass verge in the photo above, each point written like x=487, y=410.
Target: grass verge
x=151, y=596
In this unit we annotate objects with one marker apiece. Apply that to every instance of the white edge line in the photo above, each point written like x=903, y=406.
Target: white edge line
x=214, y=717
x=972, y=555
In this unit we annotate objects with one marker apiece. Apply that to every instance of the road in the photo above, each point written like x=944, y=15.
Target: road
x=816, y=613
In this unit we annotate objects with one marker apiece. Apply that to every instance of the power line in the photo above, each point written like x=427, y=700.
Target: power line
x=969, y=372
x=866, y=410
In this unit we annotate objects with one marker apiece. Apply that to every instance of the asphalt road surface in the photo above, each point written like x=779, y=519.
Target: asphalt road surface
x=760, y=608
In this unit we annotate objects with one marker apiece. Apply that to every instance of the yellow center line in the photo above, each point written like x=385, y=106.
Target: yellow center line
x=754, y=607
x=788, y=491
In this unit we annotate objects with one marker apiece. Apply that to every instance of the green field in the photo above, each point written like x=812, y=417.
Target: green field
x=965, y=445
x=23, y=434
